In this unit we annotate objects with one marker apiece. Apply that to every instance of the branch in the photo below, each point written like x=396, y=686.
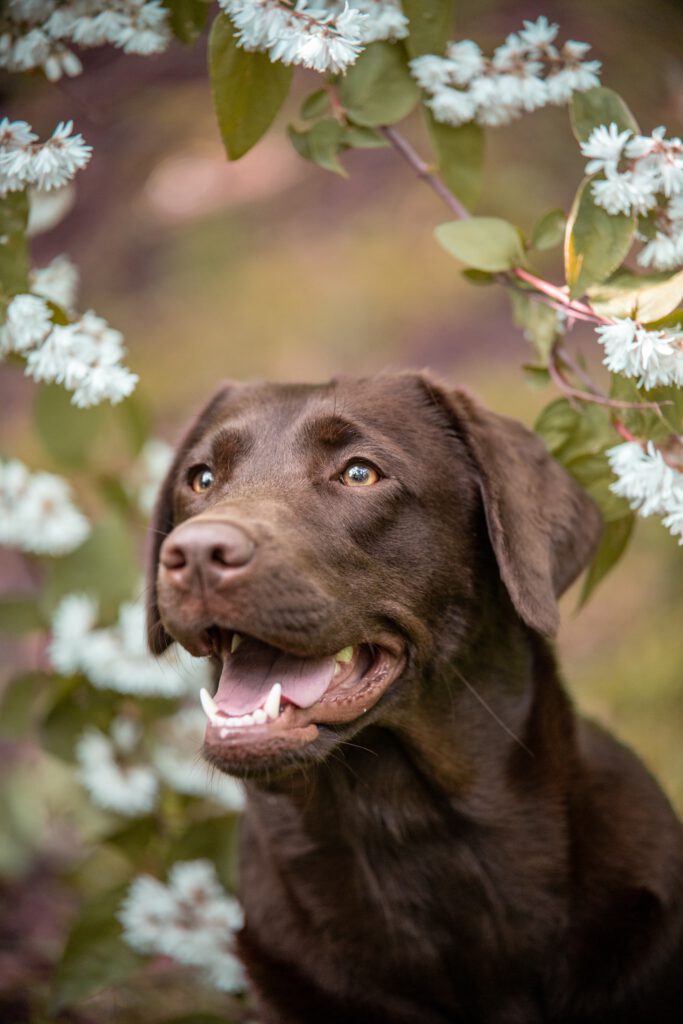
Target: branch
x=594, y=395
x=402, y=146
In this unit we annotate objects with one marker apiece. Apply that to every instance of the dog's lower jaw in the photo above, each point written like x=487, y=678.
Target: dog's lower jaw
x=474, y=803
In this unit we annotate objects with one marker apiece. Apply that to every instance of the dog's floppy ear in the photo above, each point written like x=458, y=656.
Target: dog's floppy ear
x=162, y=518
x=543, y=527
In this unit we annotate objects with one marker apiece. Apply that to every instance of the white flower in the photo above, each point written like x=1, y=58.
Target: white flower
x=316, y=39
x=526, y=72
x=663, y=252
x=46, y=165
x=538, y=34
x=630, y=192
x=451, y=106
x=605, y=145
x=116, y=658
x=432, y=73
x=38, y=32
x=178, y=762
x=562, y=84
x=57, y=282
x=15, y=134
x=650, y=485
x=465, y=61
x=128, y=789
x=85, y=357
x=151, y=467
x=385, y=20
x=28, y=323
x=654, y=357
x=71, y=623
x=192, y=919
x=36, y=512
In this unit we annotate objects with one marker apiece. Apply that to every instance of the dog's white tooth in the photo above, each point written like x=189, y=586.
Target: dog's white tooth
x=208, y=705
x=272, y=702
x=224, y=733
x=247, y=720
x=344, y=656
x=259, y=716
x=236, y=641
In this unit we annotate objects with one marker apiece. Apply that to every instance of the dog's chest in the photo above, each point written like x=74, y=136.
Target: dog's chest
x=370, y=905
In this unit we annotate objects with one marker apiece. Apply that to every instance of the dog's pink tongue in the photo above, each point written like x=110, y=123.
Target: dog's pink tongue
x=249, y=674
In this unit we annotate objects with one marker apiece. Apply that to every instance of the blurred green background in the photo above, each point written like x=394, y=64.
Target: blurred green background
x=271, y=267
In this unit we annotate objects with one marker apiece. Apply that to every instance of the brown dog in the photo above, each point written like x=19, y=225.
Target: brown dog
x=432, y=836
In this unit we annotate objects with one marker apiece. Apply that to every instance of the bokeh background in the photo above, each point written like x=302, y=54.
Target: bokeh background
x=272, y=267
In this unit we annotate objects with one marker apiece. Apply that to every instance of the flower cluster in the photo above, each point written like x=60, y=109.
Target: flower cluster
x=526, y=72
x=649, y=483
x=35, y=33
x=116, y=658
x=317, y=38
x=642, y=174
x=37, y=514
x=108, y=772
x=654, y=357
x=85, y=356
x=24, y=161
x=119, y=777
x=192, y=919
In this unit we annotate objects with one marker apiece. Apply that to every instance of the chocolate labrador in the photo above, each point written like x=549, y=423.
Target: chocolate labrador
x=432, y=835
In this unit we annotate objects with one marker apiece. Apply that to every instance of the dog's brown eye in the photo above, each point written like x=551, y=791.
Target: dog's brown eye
x=201, y=478
x=359, y=475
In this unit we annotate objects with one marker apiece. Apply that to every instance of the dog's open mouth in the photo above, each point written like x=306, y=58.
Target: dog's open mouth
x=266, y=694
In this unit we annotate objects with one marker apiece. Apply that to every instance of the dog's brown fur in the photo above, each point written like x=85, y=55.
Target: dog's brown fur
x=469, y=851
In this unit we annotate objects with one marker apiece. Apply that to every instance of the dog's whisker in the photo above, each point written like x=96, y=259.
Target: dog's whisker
x=487, y=707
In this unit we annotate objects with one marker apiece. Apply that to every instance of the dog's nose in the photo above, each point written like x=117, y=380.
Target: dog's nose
x=208, y=548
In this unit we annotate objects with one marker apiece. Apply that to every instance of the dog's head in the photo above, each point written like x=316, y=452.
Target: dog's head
x=324, y=543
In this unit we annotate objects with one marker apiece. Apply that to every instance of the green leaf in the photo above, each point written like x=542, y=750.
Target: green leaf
x=357, y=137
x=187, y=18
x=615, y=538
x=538, y=322
x=215, y=838
x=379, y=89
x=135, y=416
x=320, y=144
x=593, y=473
x=248, y=89
x=20, y=704
x=459, y=156
x=478, y=277
x=13, y=247
x=73, y=707
x=66, y=431
x=485, y=243
x=596, y=242
x=556, y=423
x=645, y=297
x=537, y=377
x=316, y=104
x=548, y=230
x=95, y=955
x=599, y=106
x=431, y=22
x=20, y=615
x=106, y=565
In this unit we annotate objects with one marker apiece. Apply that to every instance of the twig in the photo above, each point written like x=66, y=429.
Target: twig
x=594, y=395
x=402, y=146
